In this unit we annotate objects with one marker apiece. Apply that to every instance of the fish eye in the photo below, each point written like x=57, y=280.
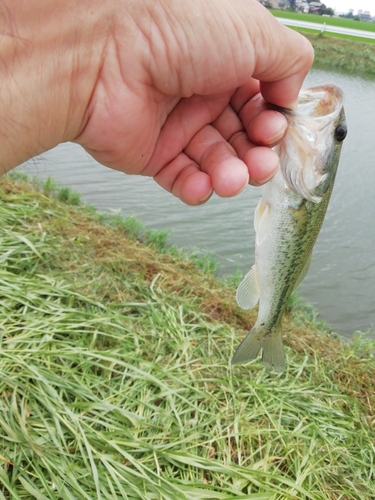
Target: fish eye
x=340, y=132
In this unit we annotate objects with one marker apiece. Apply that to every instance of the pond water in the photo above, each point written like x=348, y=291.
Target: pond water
x=341, y=279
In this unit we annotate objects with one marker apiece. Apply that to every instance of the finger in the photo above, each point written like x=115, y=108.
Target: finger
x=228, y=123
x=267, y=127
x=222, y=171
x=263, y=126
x=262, y=162
x=186, y=119
x=244, y=93
x=183, y=177
x=232, y=130
x=229, y=175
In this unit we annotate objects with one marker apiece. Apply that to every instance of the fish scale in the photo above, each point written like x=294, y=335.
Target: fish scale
x=289, y=217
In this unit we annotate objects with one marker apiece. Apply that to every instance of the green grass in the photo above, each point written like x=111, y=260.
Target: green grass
x=340, y=55
x=332, y=21
x=333, y=37
x=336, y=52
x=116, y=379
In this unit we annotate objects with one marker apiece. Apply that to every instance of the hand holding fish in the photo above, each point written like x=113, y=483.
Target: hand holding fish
x=157, y=88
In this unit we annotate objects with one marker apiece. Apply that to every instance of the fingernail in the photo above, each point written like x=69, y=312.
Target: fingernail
x=203, y=200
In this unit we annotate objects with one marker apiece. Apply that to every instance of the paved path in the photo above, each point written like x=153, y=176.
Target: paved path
x=326, y=27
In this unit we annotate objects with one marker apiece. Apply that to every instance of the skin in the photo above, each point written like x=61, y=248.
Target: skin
x=168, y=89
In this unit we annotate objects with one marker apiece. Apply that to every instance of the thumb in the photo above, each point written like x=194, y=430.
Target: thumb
x=282, y=76
x=218, y=46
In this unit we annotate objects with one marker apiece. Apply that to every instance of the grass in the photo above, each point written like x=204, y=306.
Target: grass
x=332, y=21
x=336, y=52
x=341, y=55
x=331, y=38
x=116, y=379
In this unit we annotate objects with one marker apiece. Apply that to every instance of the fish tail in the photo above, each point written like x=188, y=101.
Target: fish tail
x=270, y=342
x=273, y=355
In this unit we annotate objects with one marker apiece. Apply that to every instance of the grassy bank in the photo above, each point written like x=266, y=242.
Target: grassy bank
x=335, y=52
x=116, y=379
x=331, y=21
x=341, y=55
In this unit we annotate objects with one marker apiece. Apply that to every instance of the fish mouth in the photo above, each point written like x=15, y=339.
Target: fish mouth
x=315, y=102
x=320, y=101
x=284, y=111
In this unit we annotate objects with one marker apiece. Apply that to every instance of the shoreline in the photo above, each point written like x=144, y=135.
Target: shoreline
x=116, y=364
x=341, y=55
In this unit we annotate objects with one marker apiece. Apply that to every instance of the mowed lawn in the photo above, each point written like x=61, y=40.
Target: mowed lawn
x=332, y=21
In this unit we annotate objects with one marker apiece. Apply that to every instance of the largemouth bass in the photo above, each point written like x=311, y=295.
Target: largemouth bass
x=289, y=216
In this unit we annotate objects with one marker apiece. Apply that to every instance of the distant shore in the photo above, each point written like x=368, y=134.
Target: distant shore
x=342, y=55
x=335, y=52
x=343, y=22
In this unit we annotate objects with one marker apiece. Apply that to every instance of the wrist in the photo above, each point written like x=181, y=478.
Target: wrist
x=50, y=53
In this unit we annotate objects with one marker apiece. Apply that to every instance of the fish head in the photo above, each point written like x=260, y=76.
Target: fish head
x=310, y=151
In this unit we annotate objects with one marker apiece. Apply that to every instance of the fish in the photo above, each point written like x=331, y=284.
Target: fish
x=289, y=216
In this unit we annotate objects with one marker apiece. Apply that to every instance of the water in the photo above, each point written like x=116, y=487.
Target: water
x=341, y=279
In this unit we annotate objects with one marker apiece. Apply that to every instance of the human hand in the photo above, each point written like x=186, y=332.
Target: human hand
x=189, y=113
x=167, y=89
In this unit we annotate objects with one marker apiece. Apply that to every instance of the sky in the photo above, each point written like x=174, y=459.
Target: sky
x=345, y=5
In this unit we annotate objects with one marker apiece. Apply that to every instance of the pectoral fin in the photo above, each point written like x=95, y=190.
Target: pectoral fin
x=261, y=218
x=248, y=292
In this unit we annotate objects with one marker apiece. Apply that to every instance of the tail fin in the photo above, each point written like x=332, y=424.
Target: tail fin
x=273, y=351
